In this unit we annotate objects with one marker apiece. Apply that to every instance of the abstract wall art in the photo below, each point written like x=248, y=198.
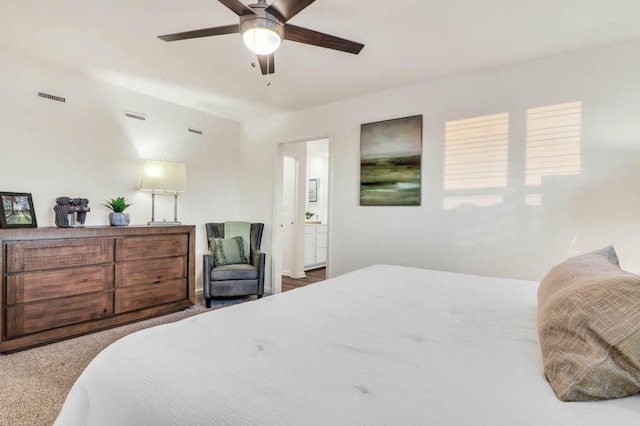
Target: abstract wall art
x=390, y=162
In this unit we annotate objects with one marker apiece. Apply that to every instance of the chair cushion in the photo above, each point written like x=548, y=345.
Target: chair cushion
x=234, y=288
x=234, y=272
x=589, y=328
x=228, y=251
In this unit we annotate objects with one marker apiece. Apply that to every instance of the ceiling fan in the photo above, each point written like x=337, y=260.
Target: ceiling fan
x=263, y=27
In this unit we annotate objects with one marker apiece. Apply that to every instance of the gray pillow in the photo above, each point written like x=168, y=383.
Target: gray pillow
x=228, y=251
x=589, y=328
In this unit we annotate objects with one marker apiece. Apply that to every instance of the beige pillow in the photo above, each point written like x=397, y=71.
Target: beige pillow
x=589, y=328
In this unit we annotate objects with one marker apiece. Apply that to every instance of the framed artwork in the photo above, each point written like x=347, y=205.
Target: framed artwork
x=16, y=210
x=313, y=190
x=390, y=162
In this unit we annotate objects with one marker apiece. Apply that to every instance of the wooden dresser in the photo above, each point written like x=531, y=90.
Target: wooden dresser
x=63, y=282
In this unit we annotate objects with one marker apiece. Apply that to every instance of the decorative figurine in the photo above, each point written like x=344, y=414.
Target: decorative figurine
x=71, y=210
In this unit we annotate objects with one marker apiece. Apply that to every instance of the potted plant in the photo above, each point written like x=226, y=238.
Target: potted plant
x=308, y=215
x=118, y=217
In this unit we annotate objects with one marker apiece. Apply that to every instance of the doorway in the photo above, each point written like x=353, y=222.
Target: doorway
x=303, y=214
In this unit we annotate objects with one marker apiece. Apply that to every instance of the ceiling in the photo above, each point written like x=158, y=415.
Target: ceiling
x=406, y=41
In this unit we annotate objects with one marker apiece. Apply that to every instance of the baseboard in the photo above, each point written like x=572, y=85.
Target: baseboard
x=294, y=276
x=297, y=276
x=315, y=266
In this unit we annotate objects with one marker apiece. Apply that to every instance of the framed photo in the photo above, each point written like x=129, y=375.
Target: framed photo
x=390, y=158
x=16, y=210
x=313, y=190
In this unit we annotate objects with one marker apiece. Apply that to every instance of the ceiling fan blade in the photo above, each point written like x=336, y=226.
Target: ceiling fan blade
x=237, y=7
x=287, y=9
x=315, y=38
x=205, y=32
x=263, y=64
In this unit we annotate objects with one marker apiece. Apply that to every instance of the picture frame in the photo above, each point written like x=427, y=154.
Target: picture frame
x=313, y=190
x=16, y=210
x=390, y=162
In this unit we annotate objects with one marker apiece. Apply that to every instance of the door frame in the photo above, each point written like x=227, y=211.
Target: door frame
x=276, y=244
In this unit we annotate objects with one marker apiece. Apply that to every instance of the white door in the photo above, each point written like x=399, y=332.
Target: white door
x=289, y=173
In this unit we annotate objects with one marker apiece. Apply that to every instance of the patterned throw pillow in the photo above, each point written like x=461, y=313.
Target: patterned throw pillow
x=589, y=328
x=227, y=251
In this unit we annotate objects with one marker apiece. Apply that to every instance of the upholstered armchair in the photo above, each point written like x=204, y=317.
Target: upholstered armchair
x=234, y=280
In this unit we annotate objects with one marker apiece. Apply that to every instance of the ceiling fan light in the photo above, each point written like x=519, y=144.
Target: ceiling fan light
x=261, y=40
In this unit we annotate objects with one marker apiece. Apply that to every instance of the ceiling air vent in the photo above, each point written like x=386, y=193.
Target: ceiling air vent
x=196, y=131
x=135, y=115
x=51, y=97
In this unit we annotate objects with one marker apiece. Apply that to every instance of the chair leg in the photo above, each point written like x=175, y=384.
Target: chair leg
x=259, y=296
x=207, y=301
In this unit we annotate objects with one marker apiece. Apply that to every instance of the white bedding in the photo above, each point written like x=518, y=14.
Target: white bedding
x=385, y=345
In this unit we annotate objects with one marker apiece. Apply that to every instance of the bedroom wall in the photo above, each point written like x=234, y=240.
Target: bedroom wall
x=86, y=148
x=530, y=228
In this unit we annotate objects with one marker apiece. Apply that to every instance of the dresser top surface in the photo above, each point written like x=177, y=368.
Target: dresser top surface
x=91, y=231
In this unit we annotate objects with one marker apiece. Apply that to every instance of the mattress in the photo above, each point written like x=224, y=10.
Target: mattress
x=384, y=345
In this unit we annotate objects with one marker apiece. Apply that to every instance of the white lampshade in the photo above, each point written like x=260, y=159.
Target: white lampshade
x=163, y=176
x=261, y=40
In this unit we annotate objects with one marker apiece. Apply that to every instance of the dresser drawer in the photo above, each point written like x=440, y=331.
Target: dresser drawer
x=40, y=255
x=33, y=317
x=134, y=248
x=150, y=271
x=43, y=285
x=144, y=296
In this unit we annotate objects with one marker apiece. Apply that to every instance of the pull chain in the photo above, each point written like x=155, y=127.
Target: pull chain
x=268, y=69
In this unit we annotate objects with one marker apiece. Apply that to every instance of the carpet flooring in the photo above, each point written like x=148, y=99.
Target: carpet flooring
x=36, y=381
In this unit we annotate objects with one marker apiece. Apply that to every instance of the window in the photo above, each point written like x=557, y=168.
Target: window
x=553, y=141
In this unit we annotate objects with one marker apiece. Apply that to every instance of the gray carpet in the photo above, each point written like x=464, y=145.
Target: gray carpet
x=36, y=381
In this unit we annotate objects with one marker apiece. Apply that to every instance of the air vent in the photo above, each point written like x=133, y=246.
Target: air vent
x=196, y=131
x=51, y=97
x=135, y=115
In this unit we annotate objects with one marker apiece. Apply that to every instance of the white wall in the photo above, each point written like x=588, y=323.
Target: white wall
x=86, y=148
x=600, y=206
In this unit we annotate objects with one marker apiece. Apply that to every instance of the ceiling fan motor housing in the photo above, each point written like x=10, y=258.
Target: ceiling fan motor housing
x=261, y=19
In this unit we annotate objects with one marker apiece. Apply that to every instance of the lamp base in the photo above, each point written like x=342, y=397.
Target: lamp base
x=164, y=223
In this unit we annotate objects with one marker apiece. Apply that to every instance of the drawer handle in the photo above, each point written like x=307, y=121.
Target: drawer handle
x=157, y=282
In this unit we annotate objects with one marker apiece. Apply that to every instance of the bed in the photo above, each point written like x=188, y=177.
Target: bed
x=384, y=345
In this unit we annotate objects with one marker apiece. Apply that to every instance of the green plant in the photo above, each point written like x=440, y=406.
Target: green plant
x=308, y=215
x=118, y=205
